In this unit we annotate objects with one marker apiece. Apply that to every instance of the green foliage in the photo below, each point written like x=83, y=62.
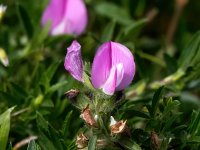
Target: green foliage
x=5, y=127
x=33, y=146
x=161, y=107
x=92, y=143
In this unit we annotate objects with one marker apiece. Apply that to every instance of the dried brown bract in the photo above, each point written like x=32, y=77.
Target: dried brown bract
x=81, y=141
x=88, y=117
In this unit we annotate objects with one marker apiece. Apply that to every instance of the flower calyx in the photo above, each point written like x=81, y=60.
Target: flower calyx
x=87, y=116
x=117, y=127
x=81, y=141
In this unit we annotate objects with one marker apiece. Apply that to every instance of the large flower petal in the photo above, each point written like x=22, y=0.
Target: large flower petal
x=54, y=13
x=73, y=61
x=76, y=14
x=101, y=65
x=121, y=54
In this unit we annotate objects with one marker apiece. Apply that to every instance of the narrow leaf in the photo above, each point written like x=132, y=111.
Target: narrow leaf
x=5, y=128
x=65, y=127
x=108, y=31
x=33, y=146
x=115, y=12
x=26, y=20
x=156, y=99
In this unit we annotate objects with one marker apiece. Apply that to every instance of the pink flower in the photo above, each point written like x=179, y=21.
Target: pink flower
x=113, y=67
x=73, y=61
x=66, y=16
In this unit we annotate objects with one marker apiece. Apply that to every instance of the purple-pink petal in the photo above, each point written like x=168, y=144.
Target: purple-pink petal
x=101, y=65
x=73, y=61
x=110, y=84
x=66, y=16
x=121, y=54
x=112, y=55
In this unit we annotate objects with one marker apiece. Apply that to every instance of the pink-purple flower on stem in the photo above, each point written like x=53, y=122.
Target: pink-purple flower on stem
x=73, y=61
x=66, y=16
x=113, y=67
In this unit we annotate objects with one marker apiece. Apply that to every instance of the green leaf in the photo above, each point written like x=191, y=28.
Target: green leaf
x=48, y=75
x=52, y=70
x=41, y=35
x=172, y=105
x=191, y=54
x=151, y=58
x=26, y=20
x=108, y=32
x=155, y=101
x=47, y=137
x=194, y=126
x=65, y=127
x=168, y=123
x=113, y=11
x=9, y=147
x=137, y=113
x=19, y=91
x=56, y=86
x=8, y=98
x=92, y=142
x=33, y=146
x=5, y=127
x=134, y=28
x=42, y=123
x=55, y=138
x=171, y=63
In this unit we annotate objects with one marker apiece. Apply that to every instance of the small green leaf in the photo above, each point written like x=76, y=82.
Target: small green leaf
x=33, y=146
x=171, y=63
x=194, y=126
x=26, y=20
x=8, y=98
x=155, y=100
x=9, y=147
x=52, y=70
x=92, y=143
x=191, y=54
x=42, y=123
x=56, y=86
x=168, y=123
x=108, y=32
x=114, y=12
x=5, y=127
x=134, y=28
x=19, y=91
x=43, y=34
x=137, y=113
x=66, y=123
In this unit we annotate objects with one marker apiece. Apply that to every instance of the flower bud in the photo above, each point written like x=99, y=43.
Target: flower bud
x=73, y=61
x=71, y=94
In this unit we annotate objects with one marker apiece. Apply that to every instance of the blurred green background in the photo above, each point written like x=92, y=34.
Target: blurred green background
x=162, y=34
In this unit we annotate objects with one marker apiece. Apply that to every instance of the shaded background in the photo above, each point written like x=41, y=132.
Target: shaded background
x=155, y=31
